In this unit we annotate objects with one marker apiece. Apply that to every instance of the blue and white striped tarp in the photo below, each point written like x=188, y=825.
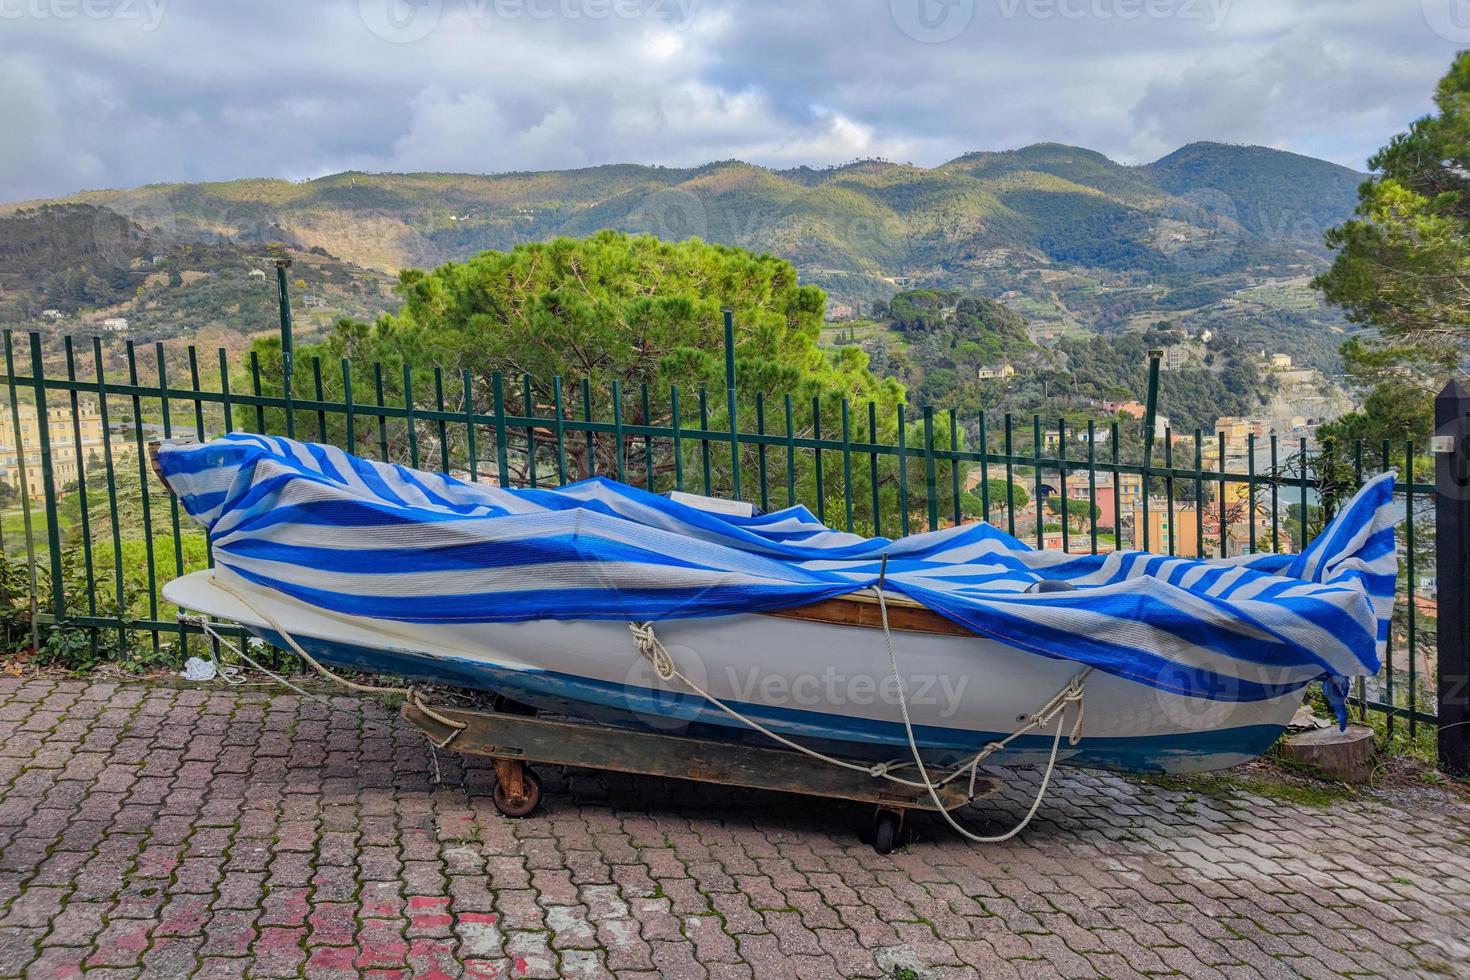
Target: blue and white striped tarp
x=371, y=539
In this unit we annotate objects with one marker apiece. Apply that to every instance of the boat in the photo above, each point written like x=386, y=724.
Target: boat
x=610, y=604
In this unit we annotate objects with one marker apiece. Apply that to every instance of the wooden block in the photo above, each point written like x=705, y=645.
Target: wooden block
x=1345, y=755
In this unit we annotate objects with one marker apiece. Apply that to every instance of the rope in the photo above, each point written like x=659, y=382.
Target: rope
x=1070, y=694
x=646, y=640
x=411, y=693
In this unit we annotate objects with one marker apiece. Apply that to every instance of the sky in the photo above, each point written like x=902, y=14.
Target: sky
x=119, y=93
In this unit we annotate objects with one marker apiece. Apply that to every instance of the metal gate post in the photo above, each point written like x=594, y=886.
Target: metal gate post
x=1451, y=445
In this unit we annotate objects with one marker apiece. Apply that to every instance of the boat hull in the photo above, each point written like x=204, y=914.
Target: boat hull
x=826, y=684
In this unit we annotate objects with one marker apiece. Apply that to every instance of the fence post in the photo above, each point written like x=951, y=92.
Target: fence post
x=1452, y=565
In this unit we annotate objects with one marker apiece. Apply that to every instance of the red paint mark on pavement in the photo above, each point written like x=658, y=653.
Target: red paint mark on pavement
x=427, y=912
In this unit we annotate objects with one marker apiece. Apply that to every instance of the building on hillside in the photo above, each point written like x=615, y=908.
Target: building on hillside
x=256, y=273
x=115, y=324
x=992, y=372
x=1118, y=499
x=52, y=315
x=1280, y=362
x=1238, y=429
x=840, y=311
x=1174, y=533
x=64, y=447
x=1131, y=407
x=1175, y=357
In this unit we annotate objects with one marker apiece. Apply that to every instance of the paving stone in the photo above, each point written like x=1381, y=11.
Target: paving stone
x=155, y=832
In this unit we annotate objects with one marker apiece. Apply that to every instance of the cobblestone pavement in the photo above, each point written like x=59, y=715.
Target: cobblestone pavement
x=150, y=831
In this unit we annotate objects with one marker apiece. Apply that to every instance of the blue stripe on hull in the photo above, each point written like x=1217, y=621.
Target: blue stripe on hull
x=687, y=714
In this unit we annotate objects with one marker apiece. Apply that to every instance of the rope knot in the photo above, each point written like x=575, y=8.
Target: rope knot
x=652, y=649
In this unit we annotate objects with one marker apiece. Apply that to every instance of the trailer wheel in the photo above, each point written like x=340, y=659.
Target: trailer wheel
x=886, y=824
x=530, y=795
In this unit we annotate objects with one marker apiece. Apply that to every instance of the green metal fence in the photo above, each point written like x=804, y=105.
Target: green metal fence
x=103, y=535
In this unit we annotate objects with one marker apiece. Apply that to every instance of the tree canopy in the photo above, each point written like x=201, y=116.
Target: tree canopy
x=1403, y=268
x=609, y=315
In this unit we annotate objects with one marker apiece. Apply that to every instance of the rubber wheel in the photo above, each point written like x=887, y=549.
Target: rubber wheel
x=885, y=830
x=526, y=807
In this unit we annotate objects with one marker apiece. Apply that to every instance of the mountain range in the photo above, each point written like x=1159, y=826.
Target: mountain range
x=1070, y=239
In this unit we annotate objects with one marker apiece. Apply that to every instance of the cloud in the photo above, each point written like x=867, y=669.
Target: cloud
x=298, y=89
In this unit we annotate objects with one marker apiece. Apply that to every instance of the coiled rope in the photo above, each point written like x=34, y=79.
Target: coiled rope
x=648, y=645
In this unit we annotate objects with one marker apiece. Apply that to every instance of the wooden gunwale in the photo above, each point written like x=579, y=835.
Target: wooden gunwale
x=861, y=609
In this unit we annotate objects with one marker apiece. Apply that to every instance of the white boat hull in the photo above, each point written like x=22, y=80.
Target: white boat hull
x=829, y=685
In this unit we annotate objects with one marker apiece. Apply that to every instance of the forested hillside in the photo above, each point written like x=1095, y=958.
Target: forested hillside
x=72, y=266
x=1066, y=236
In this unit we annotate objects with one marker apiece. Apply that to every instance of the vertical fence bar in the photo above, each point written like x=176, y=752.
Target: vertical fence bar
x=846, y=466
x=1092, y=510
x=1276, y=499
x=227, y=406
x=903, y=473
x=1224, y=515
x=142, y=453
x=86, y=523
x=875, y=489
x=561, y=431
x=173, y=502
x=257, y=391
x=200, y=431
x=347, y=407
x=1199, y=494
x=1171, y=519
x=1011, y=480
x=984, y=471
x=382, y=416
x=530, y=405
x=587, y=418
x=760, y=452
x=116, y=528
x=821, y=489
x=1036, y=467
x=1117, y=449
x=704, y=441
x=441, y=424
x=647, y=438
x=790, y=452
x=1306, y=534
x=617, y=412
x=502, y=463
x=1452, y=568
x=1362, y=682
x=321, y=412
x=931, y=476
x=678, y=438
x=954, y=466
x=1411, y=610
x=731, y=405
x=1250, y=491
x=1390, y=719
x=471, y=440
x=1062, y=480
x=410, y=423
x=25, y=491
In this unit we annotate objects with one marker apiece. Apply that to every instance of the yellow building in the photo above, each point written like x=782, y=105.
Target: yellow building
x=1180, y=528
x=63, y=445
